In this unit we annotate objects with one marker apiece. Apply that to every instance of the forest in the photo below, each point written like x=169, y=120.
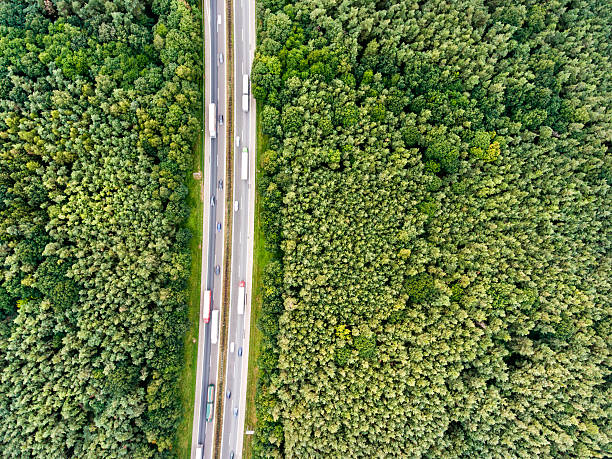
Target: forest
x=436, y=194
x=98, y=115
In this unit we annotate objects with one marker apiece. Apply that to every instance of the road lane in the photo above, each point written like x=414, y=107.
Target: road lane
x=242, y=237
x=212, y=250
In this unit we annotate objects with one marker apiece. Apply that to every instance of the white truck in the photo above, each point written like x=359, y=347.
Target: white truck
x=245, y=93
x=241, y=297
x=199, y=451
x=212, y=120
x=214, y=326
x=244, y=164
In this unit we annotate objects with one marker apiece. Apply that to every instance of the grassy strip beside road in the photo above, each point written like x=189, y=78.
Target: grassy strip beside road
x=190, y=351
x=260, y=258
x=195, y=202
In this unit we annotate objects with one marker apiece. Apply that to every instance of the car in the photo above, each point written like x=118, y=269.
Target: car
x=237, y=140
x=235, y=206
x=220, y=184
x=220, y=58
x=235, y=411
x=220, y=119
x=212, y=201
x=232, y=455
x=240, y=351
x=232, y=346
x=229, y=393
x=218, y=226
x=217, y=270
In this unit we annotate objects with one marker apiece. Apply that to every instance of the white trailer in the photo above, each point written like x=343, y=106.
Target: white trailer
x=241, y=297
x=244, y=165
x=199, y=452
x=214, y=326
x=245, y=93
x=212, y=120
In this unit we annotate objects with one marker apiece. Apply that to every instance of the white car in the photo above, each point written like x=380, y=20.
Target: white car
x=235, y=206
x=232, y=346
x=220, y=58
x=237, y=141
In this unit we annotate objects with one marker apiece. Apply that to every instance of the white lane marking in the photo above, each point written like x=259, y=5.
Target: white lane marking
x=240, y=238
x=242, y=135
x=242, y=67
x=242, y=34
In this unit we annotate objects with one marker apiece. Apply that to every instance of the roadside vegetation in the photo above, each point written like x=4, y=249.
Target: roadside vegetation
x=98, y=105
x=187, y=379
x=435, y=196
x=261, y=256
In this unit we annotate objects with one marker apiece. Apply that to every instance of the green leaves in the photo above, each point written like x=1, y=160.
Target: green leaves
x=436, y=213
x=265, y=77
x=94, y=260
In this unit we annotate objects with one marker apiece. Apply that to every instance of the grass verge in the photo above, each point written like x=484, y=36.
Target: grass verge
x=260, y=258
x=187, y=380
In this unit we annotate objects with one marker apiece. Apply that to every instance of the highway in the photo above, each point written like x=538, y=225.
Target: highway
x=242, y=234
x=243, y=192
x=212, y=247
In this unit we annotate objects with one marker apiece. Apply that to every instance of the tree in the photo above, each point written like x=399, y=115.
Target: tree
x=435, y=214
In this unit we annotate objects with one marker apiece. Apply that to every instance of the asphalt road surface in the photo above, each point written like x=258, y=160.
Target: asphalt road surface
x=212, y=247
x=242, y=235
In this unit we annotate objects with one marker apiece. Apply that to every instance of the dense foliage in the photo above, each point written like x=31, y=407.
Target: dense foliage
x=97, y=119
x=436, y=192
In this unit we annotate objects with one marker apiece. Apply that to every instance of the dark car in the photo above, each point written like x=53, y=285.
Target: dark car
x=212, y=201
x=220, y=184
x=235, y=411
x=232, y=455
x=229, y=394
x=218, y=226
x=240, y=351
x=217, y=270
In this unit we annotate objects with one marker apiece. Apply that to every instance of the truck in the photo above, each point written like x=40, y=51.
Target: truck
x=212, y=120
x=245, y=93
x=210, y=402
x=206, y=310
x=199, y=451
x=244, y=169
x=214, y=326
x=241, y=297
